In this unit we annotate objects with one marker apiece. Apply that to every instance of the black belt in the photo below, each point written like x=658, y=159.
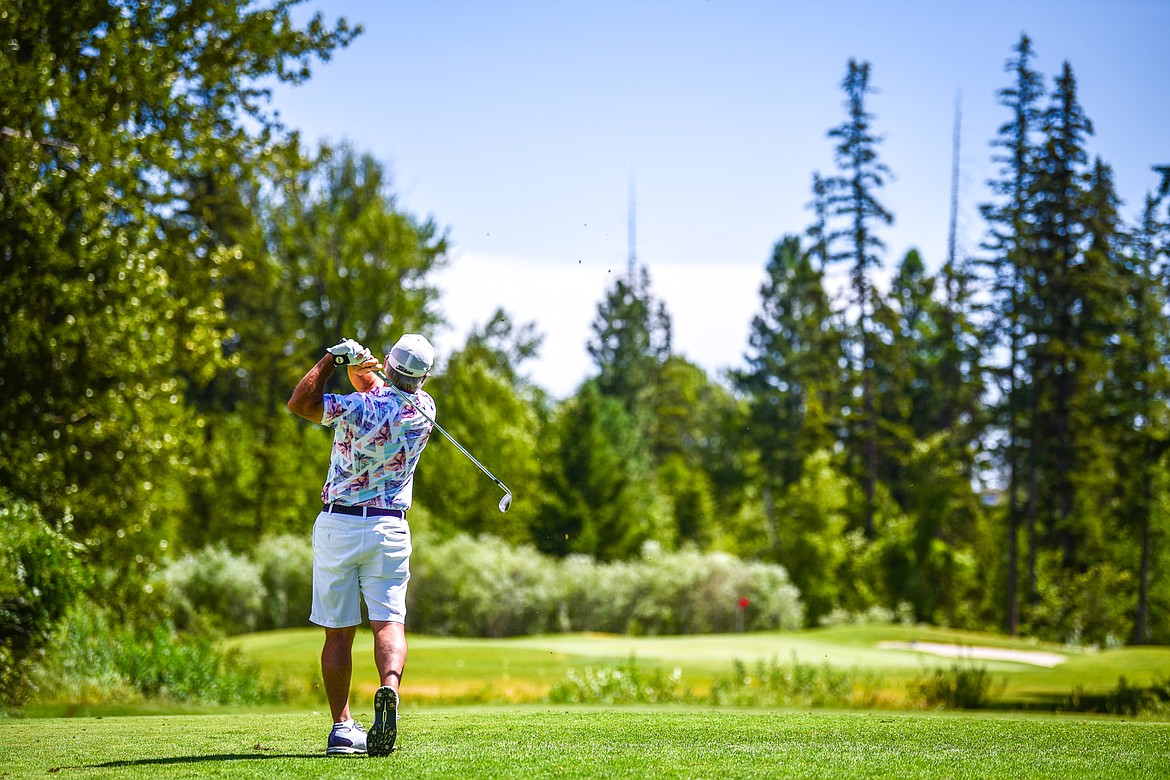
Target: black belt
x=363, y=511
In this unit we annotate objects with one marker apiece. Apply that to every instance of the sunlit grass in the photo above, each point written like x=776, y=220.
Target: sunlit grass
x=587, y=742
x=449, y=670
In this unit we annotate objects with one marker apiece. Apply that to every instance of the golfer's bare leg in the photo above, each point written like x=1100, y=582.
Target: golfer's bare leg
x=337, y=669
x=389, y=651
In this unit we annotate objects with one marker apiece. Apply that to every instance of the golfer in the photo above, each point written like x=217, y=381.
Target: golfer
x=361, y=541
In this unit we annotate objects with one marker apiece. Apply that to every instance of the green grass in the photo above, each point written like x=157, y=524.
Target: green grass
x=537, y=741
x=509, y=733
x=519, y=669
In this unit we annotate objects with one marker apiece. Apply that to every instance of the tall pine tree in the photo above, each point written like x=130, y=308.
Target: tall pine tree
x=1008, y=245
x=852, y=201
x=1144, y=400
x=793, y=366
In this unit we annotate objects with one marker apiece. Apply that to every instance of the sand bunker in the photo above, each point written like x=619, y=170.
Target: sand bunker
x=1034, y=657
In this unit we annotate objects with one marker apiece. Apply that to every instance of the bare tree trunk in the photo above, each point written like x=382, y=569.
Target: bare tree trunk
x=1033, y=543
x=1013, y=564
x=1141, y=631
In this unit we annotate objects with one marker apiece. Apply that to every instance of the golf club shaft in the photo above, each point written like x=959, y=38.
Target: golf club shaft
x=404, y=397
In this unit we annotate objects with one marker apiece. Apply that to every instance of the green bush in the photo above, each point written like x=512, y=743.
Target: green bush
x=684, y=592
x=766, y=684
x=214, y=586
x=961, y=686
x=483, y=587
x=1126, y=699
x=872, y=616
x=480, y=587
x=41, y=575
x=286, y=572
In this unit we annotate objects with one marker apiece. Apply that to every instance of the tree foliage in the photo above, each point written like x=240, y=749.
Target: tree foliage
x=497, y=415
x=794, y=366
x=983, y=443
x=631, y=340
x=852, y=201
x=110, y=112
x=41, y=574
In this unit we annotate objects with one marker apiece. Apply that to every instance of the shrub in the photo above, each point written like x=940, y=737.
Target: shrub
x=481, y=587
x=41, y=575
x=1125, y=699
x=961, y=686
x=286, y=572
x=873, y=616
x=484, y=587
x=766, y=684
x=215, y=586
x=684, y=592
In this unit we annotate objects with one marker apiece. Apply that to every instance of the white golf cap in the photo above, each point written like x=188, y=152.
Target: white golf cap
x=412, y=355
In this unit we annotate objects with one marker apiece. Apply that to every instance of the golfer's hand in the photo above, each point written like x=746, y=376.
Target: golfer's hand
x=348, y=352
x=367, y=366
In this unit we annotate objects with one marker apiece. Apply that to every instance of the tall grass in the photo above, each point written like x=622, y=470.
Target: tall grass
x=627, y=683
x=766, y=684
x=97, y=660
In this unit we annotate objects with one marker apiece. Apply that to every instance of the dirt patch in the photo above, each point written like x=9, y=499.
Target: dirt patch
x=1033, y=657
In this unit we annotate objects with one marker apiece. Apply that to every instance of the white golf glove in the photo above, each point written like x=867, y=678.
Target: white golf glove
x=348, y=352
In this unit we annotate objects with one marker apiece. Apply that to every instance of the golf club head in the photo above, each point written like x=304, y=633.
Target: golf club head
x=505, y=502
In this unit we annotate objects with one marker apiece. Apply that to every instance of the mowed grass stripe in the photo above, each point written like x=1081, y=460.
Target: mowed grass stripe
x=528, y=741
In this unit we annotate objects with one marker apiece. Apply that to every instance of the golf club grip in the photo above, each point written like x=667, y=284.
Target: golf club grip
x=441, y=430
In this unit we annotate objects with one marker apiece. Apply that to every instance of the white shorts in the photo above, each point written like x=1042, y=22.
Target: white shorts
x=352, y=555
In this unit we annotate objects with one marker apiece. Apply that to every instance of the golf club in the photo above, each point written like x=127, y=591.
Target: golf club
x=506, y=501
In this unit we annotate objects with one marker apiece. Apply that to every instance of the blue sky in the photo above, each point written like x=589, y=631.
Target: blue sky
x=519, y=126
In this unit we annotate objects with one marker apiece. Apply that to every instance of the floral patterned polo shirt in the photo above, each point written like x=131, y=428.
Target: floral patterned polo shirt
x=377, y=442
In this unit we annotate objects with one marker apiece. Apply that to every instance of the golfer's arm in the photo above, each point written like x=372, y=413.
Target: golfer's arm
x=308, y=399
x=363, y=379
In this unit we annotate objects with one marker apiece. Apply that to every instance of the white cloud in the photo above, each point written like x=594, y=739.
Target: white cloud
x=710, y=306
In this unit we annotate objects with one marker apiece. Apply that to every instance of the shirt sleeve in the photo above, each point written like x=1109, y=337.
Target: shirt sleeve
x=335, y=408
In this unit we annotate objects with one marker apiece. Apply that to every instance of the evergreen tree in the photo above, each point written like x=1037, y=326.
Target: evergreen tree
x=959, y=375
x=793, y=367
x=1009, y=244
x=906, y=369
x=599, y=493
x=852, y=200
x=486, y=404
x=1144, y=392
x=1057, y=207
x=631, y=340
x=691, y=447
x=818, y=231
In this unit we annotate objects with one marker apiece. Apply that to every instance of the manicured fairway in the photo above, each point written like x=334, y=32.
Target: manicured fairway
x=462, y=671
x=530, y=741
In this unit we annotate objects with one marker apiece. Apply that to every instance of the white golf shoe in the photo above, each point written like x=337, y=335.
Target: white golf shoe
x=346, y=739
